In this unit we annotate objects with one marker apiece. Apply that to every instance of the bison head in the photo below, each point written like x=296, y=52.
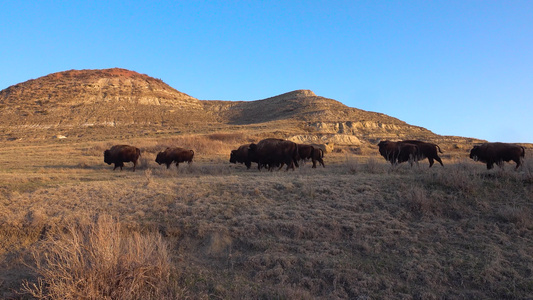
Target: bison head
x=383, y=144
x=232, y=158
x=160, y=159
x=474, y=153
x=107, y=157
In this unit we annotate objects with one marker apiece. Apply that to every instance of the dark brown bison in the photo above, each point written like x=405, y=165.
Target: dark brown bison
x=241, y=156
x=497, y=153
x=274, y=152
x=119, y=154
x=408, y=152
x=311, y=152
x=176, y=155
x=398, y=152
x=428, y=150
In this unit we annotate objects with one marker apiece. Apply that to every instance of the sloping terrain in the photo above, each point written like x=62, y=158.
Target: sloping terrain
x=111, y=97
x=356, y=229
x=115, y=102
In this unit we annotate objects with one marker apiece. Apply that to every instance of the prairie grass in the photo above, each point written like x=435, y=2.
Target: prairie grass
x=355, y=229
x=99, y=261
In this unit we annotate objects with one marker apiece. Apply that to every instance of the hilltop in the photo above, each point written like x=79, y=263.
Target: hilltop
x=117, y=102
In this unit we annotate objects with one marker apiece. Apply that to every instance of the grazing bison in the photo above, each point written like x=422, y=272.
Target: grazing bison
x=497, y=153
x=311, y=152
x=428, y=150
x=119, y=154
x=241, y=156
x=176, y=154
x=274, y=152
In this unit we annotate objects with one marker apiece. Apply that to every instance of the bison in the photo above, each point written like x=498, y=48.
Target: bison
x=497, y=153
x=119, y=154
x=428, y=150
x=175, y=154
x=398, y=152
x=274, y=152
x=311, y=152
x=326, y=148
x=241, y=156
x=408, y=152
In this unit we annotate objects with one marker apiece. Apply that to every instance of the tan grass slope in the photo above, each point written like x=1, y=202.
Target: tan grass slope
x=114, y=101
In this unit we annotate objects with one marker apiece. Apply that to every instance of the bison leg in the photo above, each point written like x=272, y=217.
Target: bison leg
x=168, y=165
x=437, y=158
x=177, y=165
x=134, y=165
x=430, y=161
x=314, y=163
x=290, y=165
x=490, y=164
x=518, y=163
x=248, y=164
x=321, y=162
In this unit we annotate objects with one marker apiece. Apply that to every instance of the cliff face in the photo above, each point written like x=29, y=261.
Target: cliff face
x=126, y=101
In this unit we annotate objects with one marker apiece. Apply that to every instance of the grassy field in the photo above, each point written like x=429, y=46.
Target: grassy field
x=70, y=227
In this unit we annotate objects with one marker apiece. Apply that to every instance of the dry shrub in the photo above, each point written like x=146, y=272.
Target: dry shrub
x=196, y=169
x=98, y=261
x=352, y=165
x=145, y=162
x=201, y=144
x=515, y=215
x=148, y=176
x=373, y=166
x=94, y=150
x=462, y=177
x=419, y=202
x=234, y=138
x=527, y=168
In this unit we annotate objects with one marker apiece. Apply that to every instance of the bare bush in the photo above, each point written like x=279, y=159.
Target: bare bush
x=373, y=166
x=462, y=177
x=515, y=215
x=98, y=261
x=417, y=201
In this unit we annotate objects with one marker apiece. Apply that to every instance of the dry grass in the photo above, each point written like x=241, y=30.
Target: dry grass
x=355, y=229
x=98, y=261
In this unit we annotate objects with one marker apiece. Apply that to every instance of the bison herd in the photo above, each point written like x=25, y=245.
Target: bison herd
x=274, y=153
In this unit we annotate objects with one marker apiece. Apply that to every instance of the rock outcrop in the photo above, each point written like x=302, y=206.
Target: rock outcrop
x=74, y=101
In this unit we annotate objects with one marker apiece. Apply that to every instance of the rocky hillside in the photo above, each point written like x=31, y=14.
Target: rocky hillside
x=120, y=101
x=112, y=97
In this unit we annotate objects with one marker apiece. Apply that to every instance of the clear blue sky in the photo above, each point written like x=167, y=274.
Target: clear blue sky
x=454, y=67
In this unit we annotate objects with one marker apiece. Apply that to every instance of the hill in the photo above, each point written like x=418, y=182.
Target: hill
x=117, y=102
x=356, y=229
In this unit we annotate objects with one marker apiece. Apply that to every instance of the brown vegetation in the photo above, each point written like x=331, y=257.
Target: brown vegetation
x=355, y=229
x=98, y=261
x=70, y=227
